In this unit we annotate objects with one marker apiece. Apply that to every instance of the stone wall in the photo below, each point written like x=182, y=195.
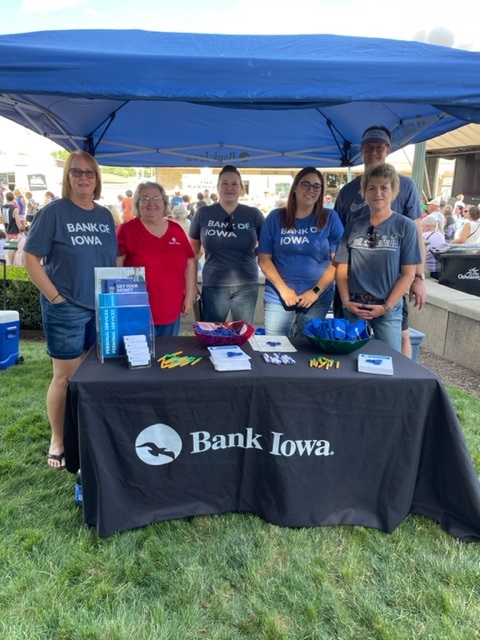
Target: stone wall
x=450, y=322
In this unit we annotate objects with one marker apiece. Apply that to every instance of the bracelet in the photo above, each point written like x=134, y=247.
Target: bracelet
x=344, y=304
x=55, y=297
x=386, y=307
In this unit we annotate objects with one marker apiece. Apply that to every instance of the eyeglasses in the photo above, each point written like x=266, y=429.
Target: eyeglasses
x=150, y=199
x=90, y=174
x=373, y=148
x=371, y=237
x=306, y=186
x=229, y=222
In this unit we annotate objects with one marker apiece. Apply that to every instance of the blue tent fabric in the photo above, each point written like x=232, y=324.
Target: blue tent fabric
x=179, y=99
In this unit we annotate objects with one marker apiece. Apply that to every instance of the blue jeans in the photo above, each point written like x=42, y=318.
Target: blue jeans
x=171, y=329
x=240, y=300
x=387, y=328
x=291, y=322
x=69, y=329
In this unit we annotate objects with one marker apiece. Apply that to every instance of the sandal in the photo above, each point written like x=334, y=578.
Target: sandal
x=58, y=457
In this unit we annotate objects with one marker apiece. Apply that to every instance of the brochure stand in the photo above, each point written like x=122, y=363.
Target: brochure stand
x=121, y=309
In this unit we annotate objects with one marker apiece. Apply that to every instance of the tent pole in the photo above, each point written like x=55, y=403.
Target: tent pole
x=418, y=167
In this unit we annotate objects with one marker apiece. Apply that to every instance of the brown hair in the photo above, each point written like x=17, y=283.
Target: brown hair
x=319, y=210
x=66, y=188
x=229, y=168
x=473, y=212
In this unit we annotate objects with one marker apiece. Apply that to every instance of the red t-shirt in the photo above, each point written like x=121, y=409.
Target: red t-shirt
x=165, y=260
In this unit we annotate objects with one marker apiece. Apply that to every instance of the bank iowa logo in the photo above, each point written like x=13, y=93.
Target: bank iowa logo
x=158, y=444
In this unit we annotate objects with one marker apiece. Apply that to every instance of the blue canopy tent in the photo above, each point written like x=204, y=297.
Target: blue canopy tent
x=179, y=99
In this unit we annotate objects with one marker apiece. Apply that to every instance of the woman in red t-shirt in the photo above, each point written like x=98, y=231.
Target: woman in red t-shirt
x=160, y=245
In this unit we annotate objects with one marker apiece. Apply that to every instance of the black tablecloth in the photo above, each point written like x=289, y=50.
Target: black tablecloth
x=296, y=445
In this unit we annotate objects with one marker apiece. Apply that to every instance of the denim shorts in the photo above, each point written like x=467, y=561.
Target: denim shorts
x=172, y=329
x=69, y=329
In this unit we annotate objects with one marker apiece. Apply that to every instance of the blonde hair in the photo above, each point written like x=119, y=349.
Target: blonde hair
x=66, y=187
x=385, y=171
x=117, y=218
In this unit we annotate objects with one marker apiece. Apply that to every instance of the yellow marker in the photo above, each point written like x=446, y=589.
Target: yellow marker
x=171, y=356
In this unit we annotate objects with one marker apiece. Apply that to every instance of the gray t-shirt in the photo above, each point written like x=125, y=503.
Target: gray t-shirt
x=72, y=242
x=229, y=255
x=375, y=270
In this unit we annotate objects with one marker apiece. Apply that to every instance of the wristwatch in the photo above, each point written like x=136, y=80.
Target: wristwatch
x=420, y=275
x=316, y=289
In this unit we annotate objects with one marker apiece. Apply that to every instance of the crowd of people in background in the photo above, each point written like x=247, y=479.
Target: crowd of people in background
x=18, y=209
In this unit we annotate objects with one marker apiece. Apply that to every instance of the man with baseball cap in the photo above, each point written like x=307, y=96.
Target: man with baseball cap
x=375, y=146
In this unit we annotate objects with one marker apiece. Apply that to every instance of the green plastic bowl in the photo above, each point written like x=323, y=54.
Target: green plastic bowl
x=337, y=346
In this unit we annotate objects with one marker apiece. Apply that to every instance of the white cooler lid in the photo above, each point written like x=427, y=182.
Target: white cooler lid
x=9, y=316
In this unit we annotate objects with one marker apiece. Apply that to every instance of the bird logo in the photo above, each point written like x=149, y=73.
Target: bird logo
x=153, y=450
x=158, y=444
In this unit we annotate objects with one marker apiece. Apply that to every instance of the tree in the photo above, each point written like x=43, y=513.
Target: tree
x=125, y=172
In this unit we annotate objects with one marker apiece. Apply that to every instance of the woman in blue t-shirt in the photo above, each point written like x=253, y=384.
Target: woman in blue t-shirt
x=297, y=244
x=69, y=238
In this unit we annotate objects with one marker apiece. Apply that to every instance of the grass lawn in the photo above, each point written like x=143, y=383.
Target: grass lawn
x=221, y=577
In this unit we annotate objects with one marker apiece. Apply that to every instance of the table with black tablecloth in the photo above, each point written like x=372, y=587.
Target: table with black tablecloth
x=297, y=446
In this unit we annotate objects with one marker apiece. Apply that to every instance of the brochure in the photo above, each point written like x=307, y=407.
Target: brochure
x=229, y=358
x=127, y=274
x=375, y=364
x=271, y=343
x=122, y=309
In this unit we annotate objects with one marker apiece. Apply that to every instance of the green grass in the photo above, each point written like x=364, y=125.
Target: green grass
x=222, y=577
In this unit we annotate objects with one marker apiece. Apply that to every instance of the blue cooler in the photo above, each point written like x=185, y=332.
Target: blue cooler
x=416, y=338
x=9, y=338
